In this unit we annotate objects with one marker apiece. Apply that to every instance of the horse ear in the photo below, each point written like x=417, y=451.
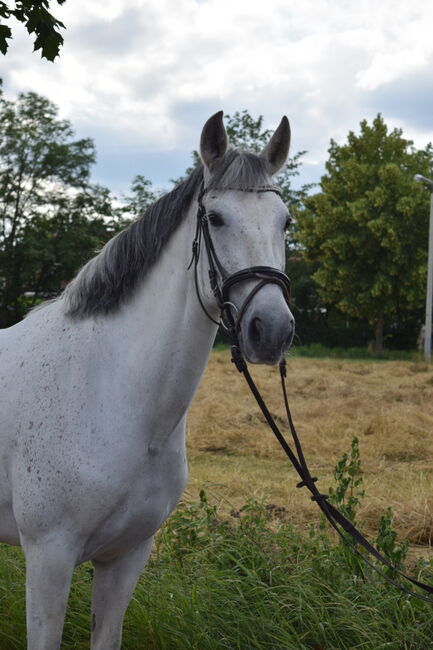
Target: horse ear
x=213, y=141
x=277, y=149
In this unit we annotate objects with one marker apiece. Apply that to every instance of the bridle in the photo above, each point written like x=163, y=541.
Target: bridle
x=232, y=323
x=220, y=281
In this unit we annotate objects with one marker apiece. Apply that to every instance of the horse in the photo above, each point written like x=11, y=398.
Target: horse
x=95, y=385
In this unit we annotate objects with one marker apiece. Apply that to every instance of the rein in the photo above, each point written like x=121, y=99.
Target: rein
x=266, y=274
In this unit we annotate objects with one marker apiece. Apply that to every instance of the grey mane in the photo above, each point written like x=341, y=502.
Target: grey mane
x=109, y=279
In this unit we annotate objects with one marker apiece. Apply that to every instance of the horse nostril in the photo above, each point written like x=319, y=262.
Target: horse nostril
x=291, y=333
x=255, y=330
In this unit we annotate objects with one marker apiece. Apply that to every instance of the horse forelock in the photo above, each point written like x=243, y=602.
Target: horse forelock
x=240, y=171
x=109, y=279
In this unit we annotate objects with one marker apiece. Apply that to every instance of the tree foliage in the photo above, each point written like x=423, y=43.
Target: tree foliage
x=367, y=227
x=142, y=196
x=51, y=217
x=36, y=17
x=55, y=243
x=357, y=247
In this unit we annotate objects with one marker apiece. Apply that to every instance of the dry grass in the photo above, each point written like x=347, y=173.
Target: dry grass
x=388, y=405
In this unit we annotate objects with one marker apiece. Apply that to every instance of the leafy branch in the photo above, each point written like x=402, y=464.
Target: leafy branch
x=36, y=17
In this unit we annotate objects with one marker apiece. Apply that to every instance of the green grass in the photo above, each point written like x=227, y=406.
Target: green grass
x=319, y=351
x=252, y=582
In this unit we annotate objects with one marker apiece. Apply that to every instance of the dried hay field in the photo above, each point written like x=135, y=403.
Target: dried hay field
x=387, y=405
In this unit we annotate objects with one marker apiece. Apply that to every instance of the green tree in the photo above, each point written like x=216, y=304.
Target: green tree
x=36, y=17
x=55, y=243
x=367, y=227
x=47, y=205
x=142, y=196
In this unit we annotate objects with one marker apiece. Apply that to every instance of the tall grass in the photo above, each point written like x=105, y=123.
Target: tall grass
x=248, y=582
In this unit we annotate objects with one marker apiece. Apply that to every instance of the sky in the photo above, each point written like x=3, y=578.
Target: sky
x=141, y=77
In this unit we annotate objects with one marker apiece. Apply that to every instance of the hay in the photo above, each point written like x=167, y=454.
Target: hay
x=389, y=406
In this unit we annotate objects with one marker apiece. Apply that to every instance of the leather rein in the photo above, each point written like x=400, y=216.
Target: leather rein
x=232, y=323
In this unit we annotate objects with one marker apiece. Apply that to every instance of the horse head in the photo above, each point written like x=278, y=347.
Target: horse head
x=243, y=222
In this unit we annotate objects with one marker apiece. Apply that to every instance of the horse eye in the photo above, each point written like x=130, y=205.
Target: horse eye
x=215, y=220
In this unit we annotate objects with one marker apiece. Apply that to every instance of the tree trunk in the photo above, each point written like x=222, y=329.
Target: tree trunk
x=378, y=334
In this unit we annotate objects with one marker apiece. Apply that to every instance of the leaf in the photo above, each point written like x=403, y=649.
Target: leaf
x=5, y=32
x=37, y=20
x=49, y=45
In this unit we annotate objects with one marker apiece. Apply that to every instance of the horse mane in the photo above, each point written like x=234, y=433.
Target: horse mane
x=109, y=279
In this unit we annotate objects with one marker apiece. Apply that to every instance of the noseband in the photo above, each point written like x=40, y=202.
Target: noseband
x=264, y=274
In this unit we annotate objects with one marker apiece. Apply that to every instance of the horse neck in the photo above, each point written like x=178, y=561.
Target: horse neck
x=163, y=338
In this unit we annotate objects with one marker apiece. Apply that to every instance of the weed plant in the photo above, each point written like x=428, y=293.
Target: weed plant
x=250, y=581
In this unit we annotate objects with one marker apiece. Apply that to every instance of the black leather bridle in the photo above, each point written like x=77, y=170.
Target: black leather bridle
x=220, y=281
x=265, y=275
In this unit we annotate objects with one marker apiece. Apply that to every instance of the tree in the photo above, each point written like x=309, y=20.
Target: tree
x=51, y=217
x=142, y=196
x=35, y=15
x=367, y=228
x=55, y=243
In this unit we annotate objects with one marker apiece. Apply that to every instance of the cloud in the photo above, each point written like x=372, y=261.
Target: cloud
x=408, y=100
x=142, y=77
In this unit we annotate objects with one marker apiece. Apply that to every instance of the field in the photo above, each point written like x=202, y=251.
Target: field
x=246, y=561
x=388, y=406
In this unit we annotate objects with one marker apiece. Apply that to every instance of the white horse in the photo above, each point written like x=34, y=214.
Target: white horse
x=95, y=386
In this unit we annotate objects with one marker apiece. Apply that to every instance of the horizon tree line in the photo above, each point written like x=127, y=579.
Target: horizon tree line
x=356, y=250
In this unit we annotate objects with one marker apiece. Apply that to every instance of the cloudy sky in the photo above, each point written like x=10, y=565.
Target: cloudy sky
x=141, y=77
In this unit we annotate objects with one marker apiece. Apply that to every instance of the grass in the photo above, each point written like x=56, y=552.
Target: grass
x=245, y=583
x=387, y=406
x=319, y=351
x=251, y=565
x=242, y=583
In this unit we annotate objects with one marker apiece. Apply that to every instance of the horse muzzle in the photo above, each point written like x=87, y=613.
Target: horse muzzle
x=267, y=329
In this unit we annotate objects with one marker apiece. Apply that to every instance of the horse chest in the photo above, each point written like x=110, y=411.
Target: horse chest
x=135, y=512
